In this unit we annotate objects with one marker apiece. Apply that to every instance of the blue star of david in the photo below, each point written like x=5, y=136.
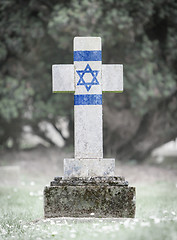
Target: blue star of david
x=94, y=74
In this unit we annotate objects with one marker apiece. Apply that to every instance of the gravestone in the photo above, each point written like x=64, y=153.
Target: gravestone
x=89, y=186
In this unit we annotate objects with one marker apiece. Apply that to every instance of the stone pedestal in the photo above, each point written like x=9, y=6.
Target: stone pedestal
x=89, y=197
x=87, y=168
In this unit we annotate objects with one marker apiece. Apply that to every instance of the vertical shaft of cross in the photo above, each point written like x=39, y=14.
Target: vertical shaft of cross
x=87, y=78
x=88, y=98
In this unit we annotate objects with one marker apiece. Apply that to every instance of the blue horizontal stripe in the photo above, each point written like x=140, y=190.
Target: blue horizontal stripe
x=87, y=56
x=88, y=99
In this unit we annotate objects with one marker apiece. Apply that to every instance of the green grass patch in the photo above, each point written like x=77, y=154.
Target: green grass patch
x=21, y=216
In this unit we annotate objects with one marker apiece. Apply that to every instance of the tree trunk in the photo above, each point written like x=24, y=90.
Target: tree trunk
x=156, y=127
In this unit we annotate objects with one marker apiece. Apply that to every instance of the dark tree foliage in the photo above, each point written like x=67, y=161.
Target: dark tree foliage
x=139, y=34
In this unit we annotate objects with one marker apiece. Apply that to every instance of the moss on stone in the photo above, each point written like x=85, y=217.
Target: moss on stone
x=81, y=201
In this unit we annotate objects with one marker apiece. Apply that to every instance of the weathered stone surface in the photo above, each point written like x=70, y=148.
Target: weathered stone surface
x=88, y=78
x=60, y=72
x=71, y=200
x=113, y=72
x=88, y=167
x=88, y=132
x=106, y=181
x=98, y=181
x=82, y=192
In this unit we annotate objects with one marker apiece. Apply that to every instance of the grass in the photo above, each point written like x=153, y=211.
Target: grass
x=21, y=216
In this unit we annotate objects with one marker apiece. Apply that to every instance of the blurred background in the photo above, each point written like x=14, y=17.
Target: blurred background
x=140, y=124
x=141, y=35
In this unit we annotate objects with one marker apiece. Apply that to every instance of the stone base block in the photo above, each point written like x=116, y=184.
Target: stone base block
x=88, y=167
x=93, y=197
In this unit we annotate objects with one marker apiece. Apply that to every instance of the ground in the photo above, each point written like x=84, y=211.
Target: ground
x=24, y=174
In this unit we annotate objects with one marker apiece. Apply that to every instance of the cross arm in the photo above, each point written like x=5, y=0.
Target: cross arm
x=63, y=78
x=112, y=78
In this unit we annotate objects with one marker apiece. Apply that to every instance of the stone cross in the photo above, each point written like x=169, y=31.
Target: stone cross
x=87, y=78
